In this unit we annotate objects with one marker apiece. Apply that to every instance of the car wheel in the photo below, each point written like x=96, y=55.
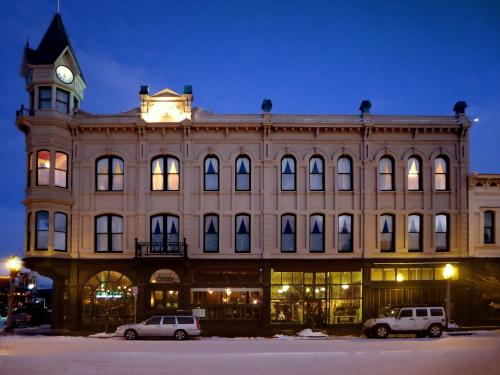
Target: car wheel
x=180, y=335
x=130, y=334
x=435, y=331
x=381, y=331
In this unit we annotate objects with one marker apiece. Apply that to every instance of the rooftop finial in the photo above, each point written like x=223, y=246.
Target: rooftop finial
x=58, y=6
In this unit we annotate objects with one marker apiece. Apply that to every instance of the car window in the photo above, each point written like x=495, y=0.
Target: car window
x=437, y=312
x=153, y=320
x=168, y=320
x=185, y=319
x=421, y=312
x=406, y=314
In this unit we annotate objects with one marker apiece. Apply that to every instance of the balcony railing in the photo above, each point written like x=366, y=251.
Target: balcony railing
x=24, y=111
x=160, y=249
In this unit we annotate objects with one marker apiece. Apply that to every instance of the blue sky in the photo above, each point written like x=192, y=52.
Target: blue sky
x=407, y=57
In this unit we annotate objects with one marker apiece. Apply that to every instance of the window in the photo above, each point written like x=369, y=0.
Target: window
x=168, y=319
x=43, y=167
x=30, y=168
x=42, y=230
x=185, y=320
x=76, y=103
x=45, y=98
x=344, y=172
x=242, y=178
x=288, y=173
x=441, y=180
x=316, y=234
x=165, y=179
x=405, y=313
x=414, y=233
x=288, y=233
x=60, y=231
x=441, y=231
x=155, y=320
x=242, y=235
x=211, y=175
x=437, y=312
x=109, y=233
x=109, y=171
x=345, y=234
x=414, y=174
x=316, y=174
x=28, y=232
x=489, y=227
x=165, y=240
x=386, y=174
x=387, y=233
x=61, y=170
x=211, y=230
x=62, y=101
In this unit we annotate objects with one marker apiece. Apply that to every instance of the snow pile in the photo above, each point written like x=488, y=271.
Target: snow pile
x=102, y=335
x=308, y=333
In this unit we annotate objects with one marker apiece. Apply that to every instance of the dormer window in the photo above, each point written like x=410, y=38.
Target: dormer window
x=45, y=98
x=62, y=101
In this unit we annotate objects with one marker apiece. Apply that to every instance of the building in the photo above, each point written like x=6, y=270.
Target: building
x=258, y=222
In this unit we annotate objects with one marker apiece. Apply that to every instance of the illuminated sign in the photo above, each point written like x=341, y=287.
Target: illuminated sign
x=107, y=294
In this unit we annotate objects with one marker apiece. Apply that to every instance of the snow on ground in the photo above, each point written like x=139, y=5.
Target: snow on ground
x=457, y=355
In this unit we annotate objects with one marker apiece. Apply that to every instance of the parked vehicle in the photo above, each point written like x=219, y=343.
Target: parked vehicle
x=421, y=320
x=176, y=326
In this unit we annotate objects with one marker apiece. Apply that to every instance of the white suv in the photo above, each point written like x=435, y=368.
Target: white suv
x=423, y=321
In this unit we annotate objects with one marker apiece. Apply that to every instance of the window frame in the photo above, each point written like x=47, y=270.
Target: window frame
x=236, y=173
x=165, y=234
x=109, y=234
x=322, y=233
x=30, y=169
x=294, y=233
x=491, y=227
x=28, y=232
x=205, y=233
x=447, y=249
x=58, y=90
x=446, y=173
x=211, y=156
x=165, y=172
x=420, y=233
x=351, y=216
x=44, y=100
x=419, y=173
x=294, y=173
x=236, y=233
x=43, y=168
x=61, y=170
x=65, y=232
x=317, y=156
x=350, y=174
x=393, y=234
x=393, y=185
x=39, y=230
x=110, y=173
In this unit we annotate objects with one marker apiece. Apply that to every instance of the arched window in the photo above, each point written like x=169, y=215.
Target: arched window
x=344, y=173
x=109, y=233
x=288, y=173
x=43, y=167
x=387, y=233
x=61, y=170
x=109, y=172
x=316, y=173
x=288, y=234
x=211, y=175
x=242, y=178
x=42, y=230
x=386, y=174
x=345, y=234
x=165, y=234
x=441, y=180
x=242, y=233
x=441, y=232
x=317, y=233
x=60, y=231
x=211, y=231
x=414, y=232
x=414, y=174
x=489, y=227
x=165, y=179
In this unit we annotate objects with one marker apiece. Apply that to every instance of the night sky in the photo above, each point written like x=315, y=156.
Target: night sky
x=318, y=57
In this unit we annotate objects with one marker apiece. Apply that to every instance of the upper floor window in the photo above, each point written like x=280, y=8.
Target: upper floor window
x=387, y=233
x=164, y=233
x=43, y=167
x=386, y=174
x=441, y=232
x=28, y=232
x=211, y=175
x=344, y=172
x=61, y=170
x=288, y=173
x=288, y=238
x=441, y=180
x=489, y=227
x=345, y=234
x=414, y=174
x=45, y=98
x=109, y=173
x=165, y=173
x=211, y=233
x=60, y=231
x=316, y=173
x=30, y=168
x=316, y=233
x=242, y=179
x=62, y=101
x=109, y=233
x=414, y=233
x=242, y=235
x=42, y=230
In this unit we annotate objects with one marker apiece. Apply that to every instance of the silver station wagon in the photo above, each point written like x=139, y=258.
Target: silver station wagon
x=179, y=327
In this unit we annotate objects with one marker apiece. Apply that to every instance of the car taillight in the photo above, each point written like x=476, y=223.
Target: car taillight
x=197, y=323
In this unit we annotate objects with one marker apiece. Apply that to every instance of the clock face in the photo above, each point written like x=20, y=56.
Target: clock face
x=64, y=74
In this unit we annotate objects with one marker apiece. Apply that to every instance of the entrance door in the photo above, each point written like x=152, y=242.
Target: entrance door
x=164, y=300
x=314, y=313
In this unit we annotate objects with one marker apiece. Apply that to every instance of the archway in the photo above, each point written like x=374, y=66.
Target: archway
x=164, y=291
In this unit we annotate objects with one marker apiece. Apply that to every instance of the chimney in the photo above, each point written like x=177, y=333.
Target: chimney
x=365, y=106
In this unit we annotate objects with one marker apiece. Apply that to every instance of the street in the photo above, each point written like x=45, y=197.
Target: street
x=475, y=354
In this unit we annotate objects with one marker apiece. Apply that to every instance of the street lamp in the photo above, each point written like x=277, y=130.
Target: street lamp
x=448, y=272
x=14, y=265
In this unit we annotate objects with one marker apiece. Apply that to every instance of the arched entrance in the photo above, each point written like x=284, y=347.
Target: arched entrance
x=164, y=291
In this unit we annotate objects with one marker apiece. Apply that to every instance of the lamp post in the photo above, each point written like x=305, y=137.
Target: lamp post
x=448, y=272
x=14, y=265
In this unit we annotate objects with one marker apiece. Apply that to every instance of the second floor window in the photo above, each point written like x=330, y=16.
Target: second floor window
x=316, y=174
x=345, y=234
x=242, y=235
x=211, y=173
x=45, y=98
x=109, y=233
x=164, y=233
x=43, y=167
x=441, y=180
x=344, y=173
x=414, y=179
x=316, y=233
x=414, y=233
x=211, y=233
x=61, y=170
x=30, y=168
x=386, y=174
x=60, y=231
x=242, y=180
x=387, y=233
x=288, y=173
x=288, y=239
x=441, y=232
x=489, y=227
x=42, y=230
x=109, y=174
x=28, y=232
x=165, y=173
x=62, y=101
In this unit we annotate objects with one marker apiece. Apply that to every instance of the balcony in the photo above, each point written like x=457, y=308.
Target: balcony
x=160, y=249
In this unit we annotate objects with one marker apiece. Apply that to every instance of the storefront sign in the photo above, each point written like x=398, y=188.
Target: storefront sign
x=200, y=313
x=108, y=294
x=165, y=276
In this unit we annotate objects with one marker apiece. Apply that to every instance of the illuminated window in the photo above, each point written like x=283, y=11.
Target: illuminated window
x=30, y=168
x=109, y=233
x=62, y=101
x=441, y=180
x=489, y=227
x=211, y=175
x=288, y=238
x=316, y=174
x=387, y=233
x=45, y=98
x=165, y=179
x=61, y=170
x=242, y=179
x=414, y=174
x=414, y=233
x=211, y=233
x=242, y=235
x=344, y=173
x=165, y=240
x=288, y=173
x=109, y=172
x=42, y=230
x=345, y=234
x=43, y=167
x=316, y=233
x=60, y=231
x=386, y=174
x=441, y=232
x=28, y=232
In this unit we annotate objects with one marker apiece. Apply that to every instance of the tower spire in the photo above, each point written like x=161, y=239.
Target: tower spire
x=58, y=6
